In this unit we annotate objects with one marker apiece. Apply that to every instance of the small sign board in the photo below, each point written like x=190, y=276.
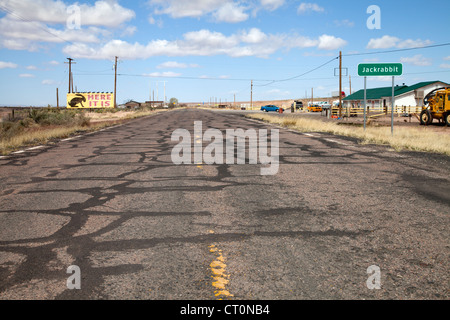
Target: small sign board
x=87, y=100
x=380, y=69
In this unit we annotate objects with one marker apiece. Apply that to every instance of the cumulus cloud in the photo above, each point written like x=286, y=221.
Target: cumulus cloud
x=305, y=7
x=272, y=5
x=14, y=29
x=26, y=75
x=383, y=42
x=48, y=82
x=417, y=60
x=183, y=8
x=344, y=23
x=387, y=42
x=231, y=13
x=103, y=13
x=327, y=42
x=29, y=23
x=253, y=42
x=167, y=74
x=176, y=65
x=10, y=65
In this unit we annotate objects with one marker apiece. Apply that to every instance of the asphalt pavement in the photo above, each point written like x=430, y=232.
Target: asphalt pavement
x=138, y=226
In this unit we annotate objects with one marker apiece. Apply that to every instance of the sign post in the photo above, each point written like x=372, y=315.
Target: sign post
x=378, y=70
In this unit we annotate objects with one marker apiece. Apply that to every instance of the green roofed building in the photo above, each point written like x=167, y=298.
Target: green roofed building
x=380, y=98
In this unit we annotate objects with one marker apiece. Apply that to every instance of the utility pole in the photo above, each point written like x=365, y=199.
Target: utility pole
x=57, y=98
x=350, y=81
x=115, y=84
x=251, y=96
x=340, y=84
x=70, y=73
x=71, y=79
x=164, y=92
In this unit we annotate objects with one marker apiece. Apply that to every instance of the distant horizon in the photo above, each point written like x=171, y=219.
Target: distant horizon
x=197, y=50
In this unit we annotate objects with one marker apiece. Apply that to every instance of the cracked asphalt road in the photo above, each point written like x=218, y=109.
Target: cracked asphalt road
x=140, y=227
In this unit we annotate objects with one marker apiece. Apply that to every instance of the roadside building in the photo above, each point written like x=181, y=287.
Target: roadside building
x=132, y=105
x=379, y=99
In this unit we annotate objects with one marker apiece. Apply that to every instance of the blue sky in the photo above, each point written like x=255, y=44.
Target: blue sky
x=206, y=49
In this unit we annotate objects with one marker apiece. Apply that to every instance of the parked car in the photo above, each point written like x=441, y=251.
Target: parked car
x=271, y=107
x=324, y=105
x=314, y=108
x=298, y=105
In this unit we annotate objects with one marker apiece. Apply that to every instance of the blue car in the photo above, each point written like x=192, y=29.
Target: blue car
x=271, y=107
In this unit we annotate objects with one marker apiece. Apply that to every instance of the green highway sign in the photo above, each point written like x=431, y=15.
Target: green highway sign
x=380, y=69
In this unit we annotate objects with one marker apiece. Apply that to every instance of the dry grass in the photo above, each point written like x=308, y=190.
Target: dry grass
x=41, y=136
x=405, y=138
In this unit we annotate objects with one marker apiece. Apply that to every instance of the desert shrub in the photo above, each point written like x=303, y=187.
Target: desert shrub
x=52, y=117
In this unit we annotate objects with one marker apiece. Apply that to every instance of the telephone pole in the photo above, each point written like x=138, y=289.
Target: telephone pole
x=70, y=73
x=115, y=83
x=350, y=82
x=340, y=84
x=251, y=96
x=164, y=92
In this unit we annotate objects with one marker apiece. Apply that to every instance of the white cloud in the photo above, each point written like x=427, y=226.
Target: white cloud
x=417, y=60
x=174, y=64
x=10, y=65
x=230, y=13
x=33, y=22
x=48, y=82
x=344, y=23
x=183, y=8
x=23, y=35
x=447, y=58
x=129, y=31
x=387, y=42
x=26, y=75
x=253, y=36
x=31, y=68
x=383, y=42
x=414, y=43
x=305, y=7
x=159, y=23
x=272, y=5
x=327, y=42
x=107, y=13
x=206, y=43
x=167, y=74
x=53, y=63
x=445, y=66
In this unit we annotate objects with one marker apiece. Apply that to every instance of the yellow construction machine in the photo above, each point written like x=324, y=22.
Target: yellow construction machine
x=436, y=106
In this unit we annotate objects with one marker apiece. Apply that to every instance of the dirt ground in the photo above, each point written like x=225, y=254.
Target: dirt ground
x=100, y=117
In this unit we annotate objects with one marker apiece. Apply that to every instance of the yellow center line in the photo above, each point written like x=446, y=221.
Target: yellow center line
x=219, y=275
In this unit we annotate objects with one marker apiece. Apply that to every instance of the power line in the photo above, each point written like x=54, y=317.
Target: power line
x=396, y=50
x=186, y=77
x=9, y=11
x=301, y=75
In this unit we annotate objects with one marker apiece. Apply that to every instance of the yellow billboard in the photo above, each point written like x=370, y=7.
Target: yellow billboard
x=87, y=100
